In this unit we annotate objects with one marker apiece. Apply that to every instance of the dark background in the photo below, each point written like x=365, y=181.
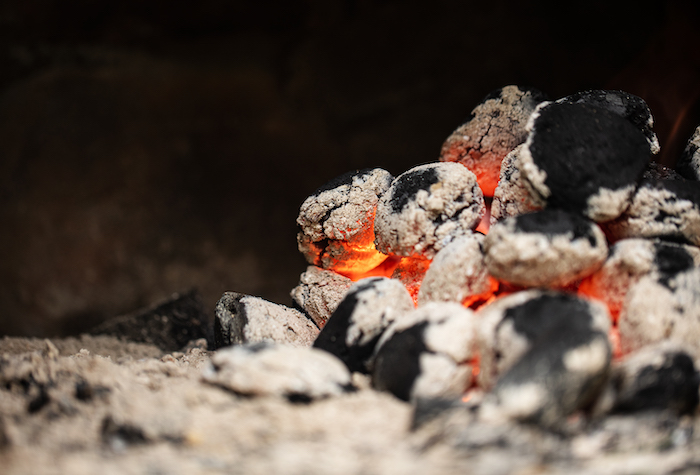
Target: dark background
x=151, y=146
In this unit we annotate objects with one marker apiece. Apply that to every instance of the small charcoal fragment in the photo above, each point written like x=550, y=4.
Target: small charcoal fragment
x=667, y=209
x=514, y=196
x=458, y=272
x=660, y=377
x=368, y=308
x=266, y=369
x=551, y=351
x=584, y=159
x=425, y=208
x=427, y=353
x=689, y=163
x=336, y=222
x=243, y=318
x=626, y=105
x=319, y=292
x=546, y=248
x=497, y=126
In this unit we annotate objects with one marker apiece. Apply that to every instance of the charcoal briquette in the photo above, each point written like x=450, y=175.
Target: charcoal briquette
x=514, y=196
x=319, y=292
x=689, y=163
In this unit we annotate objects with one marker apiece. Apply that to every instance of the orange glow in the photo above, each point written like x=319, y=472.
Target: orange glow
x=614, y=337
x=385, y=269
x=590, y=288
x=476, y=301
x=485, y=222
x=410, y=271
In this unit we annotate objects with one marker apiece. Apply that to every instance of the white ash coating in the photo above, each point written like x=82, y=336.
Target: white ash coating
x=319, y=292
x=689, y=163
x=426, y=207
x=497, y=127
x=655, y=312
x=341, y=212
x=277, y=370
x=606, y=204
x=457, y=272
x=661, y=209
x=539, y=258
x=514, y=195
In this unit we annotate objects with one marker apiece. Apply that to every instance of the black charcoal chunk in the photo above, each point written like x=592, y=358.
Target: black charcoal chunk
x=319, y=292
x=513, y=196
x=667, y=209
x=656, y=171
x=358, y=322
x=689, y=163
x=244, y=319
x=266, y=369
x=427, y=353
x=584, y=159
x=546, y=248
x=496, y=127
x=425, y=208
x=631, y=107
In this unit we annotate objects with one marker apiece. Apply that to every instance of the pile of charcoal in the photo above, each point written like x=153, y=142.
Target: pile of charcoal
x=545, y=265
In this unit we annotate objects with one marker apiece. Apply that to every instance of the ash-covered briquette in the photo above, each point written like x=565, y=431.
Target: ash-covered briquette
x=514, y=196
x=546, y=248
x=266, y=369
x=368, y=308
x=584, y=159
x=549, y=351
x=243, y=319
x=689, y=163
x=667, y=209
x=427, y=353
x=631, y=107
x=319, y=292
x=630, y=260
x=336, y=222
x=457, y=272
x=657, y=377
x=425, y=208
x=496, y=127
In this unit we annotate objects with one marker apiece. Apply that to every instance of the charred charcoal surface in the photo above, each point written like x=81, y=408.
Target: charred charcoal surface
x=397, y=365
x=689, y=163
x=319, y=292
x=409, y=185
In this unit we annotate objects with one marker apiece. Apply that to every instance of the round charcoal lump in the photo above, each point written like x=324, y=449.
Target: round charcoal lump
x=546, y=248
x=583, y=158
x=513, y=195
x=631, y=107
x=689, y=163
x=661, y=208
x=427, y=353
x=425, y=208
x=496, y=127
x=368, y=308
x=336, y=222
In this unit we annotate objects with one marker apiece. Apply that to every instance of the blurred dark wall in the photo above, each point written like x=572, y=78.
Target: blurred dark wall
x=147, y=148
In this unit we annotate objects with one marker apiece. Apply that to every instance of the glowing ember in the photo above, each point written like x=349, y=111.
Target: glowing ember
x=410, y=271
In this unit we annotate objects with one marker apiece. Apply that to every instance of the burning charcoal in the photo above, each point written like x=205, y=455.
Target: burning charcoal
x=689, y=163
x=410, y=271
x=585, y=159
x=661, y=208
x=551, y=351
x=546, y=248
x=656, y=377
x=425, y=208
x=319, y=292
x=624, y=104
x=336, y=222
x=243, y=319
x=427, y=353
x=632, y=259
x=265, y=369
x=361, y=317
x=458, y=273
x=513, y=196
x=496, y=127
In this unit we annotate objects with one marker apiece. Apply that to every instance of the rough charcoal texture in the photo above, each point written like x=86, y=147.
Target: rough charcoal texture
x=336, y=222
x=656, y=171
x=546, y=248
x=552, y=353
x=496, y=127
x=426, y=207
x=457, y=272
x=368, y=308
x=243, y=319
x=266, y=369
x=514, y=195
x=658, y=377
x=583, y=158
x=169, y=325
x=689, y=163
x=667, y=209
x=631, y=107
x=427, y=353
x=319, y=292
